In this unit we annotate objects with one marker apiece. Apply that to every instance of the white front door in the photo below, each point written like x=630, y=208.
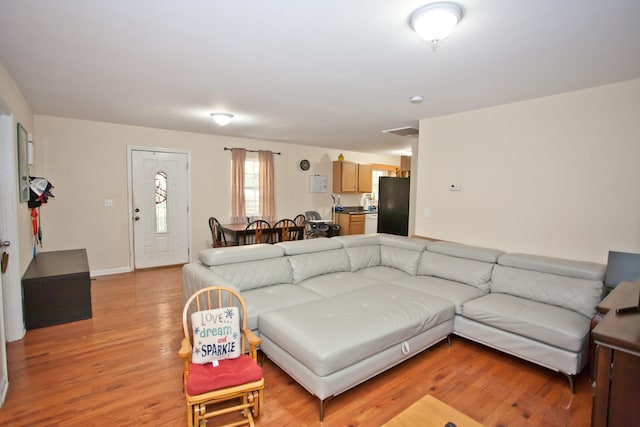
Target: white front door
x=160, y=211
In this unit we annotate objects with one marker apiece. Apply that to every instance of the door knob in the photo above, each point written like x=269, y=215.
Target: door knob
x=5, y=243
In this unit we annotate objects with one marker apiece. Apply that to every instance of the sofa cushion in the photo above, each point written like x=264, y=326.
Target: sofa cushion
x=403, y=242
x=457, y=293
x=297, y=247
x=263, y=300
x=363, y=256
x=562, y=267
x=233, y=254
x=256, y=274
x=579, y=295
x=354, y=240
x=471, y=272
x=403, y=259
x=549, y=324
x=334, y=333
x=465, y=251
x=332, y=284
x=384, y=273
x=307, y=265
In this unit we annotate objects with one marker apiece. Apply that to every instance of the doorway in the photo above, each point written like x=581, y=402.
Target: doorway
x=159, y=207
x=11, y=326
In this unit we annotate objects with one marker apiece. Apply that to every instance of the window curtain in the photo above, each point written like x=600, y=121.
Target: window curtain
x=267, y=199
x=238, y=156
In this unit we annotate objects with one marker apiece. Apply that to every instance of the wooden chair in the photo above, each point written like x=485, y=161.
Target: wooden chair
x=235, y=385
x=285, y=230
x=258, y=231
x=218, y=239
x=301, y=221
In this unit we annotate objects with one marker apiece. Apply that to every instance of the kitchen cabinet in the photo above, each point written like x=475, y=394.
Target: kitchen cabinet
x=351, y=177
x=364, y=183
x=344, y=177
x=351, y=224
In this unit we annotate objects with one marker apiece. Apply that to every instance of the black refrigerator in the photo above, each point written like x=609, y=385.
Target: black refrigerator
x=393, y=205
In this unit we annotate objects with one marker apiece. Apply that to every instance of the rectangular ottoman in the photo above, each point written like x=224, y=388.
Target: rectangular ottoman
x=331, y=345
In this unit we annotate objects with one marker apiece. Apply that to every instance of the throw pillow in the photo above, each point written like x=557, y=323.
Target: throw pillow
x=216, y=335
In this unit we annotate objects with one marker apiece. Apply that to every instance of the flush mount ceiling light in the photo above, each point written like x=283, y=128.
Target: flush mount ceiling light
x=222, y=119
x=435, y=21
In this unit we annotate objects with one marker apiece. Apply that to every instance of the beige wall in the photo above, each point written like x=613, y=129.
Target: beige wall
x=87, y=162
x=557, y=176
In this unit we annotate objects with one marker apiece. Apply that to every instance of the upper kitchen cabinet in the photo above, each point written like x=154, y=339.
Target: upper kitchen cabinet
x=350, y=177
x=345, y=175
x=365, y=173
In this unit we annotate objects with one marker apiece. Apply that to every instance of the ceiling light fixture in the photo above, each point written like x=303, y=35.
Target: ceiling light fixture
x=435, y=21
x=222, y=119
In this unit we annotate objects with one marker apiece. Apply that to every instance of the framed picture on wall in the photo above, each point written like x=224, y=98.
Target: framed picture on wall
x=23, y=165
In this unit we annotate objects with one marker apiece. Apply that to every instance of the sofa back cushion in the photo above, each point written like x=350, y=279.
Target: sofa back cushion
x=307, y=265
x=468, y=271
x=562, y=267
x=235, y=254
x=256, y=274
x=580, y=295
x=363, y=256
x=403, y=259
x=465, y=251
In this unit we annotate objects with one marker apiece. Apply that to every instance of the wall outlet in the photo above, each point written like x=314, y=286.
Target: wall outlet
x=454, y=187
x=427, y=212
x=108, y=203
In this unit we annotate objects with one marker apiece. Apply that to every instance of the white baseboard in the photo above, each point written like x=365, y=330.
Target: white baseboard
x=108, y=271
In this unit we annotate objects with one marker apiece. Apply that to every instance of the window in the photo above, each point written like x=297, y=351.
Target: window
x=377, y=173
x=161, y=202
x=252, y=185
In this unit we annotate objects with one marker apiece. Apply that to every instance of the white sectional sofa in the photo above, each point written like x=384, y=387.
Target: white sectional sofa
x=335, y=312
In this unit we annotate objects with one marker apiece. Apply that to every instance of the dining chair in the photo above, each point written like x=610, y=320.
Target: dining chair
x=285, y=230
x=301, y=221
x=218, y=239
x=258, y=231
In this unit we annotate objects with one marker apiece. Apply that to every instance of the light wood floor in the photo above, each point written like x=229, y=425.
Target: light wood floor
x=121, y=368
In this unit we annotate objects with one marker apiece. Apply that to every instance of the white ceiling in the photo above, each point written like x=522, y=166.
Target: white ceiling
x=330, y=73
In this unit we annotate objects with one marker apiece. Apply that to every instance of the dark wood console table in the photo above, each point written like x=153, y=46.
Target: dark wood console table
x=617, y=370
x=56, y=288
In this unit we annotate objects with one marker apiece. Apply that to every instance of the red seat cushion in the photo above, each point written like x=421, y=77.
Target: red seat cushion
x=229, y=373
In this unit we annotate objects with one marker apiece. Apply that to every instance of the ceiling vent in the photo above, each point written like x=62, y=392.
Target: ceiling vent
x=406, y=131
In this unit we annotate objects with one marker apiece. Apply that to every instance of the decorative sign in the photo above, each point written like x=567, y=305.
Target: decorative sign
x=317, y=184
x=216, y=335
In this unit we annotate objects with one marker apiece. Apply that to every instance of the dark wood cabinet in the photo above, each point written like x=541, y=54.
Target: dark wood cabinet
x=617, y=368
x=56, y=288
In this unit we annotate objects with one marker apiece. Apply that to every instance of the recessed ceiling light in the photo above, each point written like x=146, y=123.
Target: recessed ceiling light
x=222, y=119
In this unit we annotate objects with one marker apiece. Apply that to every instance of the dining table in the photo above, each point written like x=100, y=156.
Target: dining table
x=235, y=232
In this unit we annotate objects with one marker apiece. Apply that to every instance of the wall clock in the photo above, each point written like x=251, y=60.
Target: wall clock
x=304, y=165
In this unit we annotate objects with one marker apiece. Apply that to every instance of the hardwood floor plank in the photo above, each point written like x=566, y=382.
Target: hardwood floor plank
x=121, y=368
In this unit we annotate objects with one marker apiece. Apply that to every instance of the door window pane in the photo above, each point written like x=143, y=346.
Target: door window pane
x=161, y=202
